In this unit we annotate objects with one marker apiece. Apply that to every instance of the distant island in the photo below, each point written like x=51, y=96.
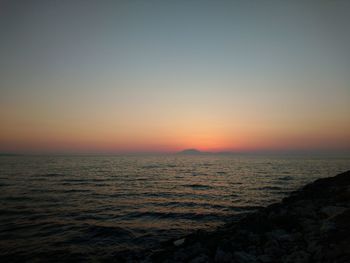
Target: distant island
x=192, y=152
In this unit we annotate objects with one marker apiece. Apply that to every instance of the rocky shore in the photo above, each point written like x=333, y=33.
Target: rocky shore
x=311, y=225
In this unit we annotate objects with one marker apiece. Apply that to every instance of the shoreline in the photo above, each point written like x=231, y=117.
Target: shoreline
x=310, y=225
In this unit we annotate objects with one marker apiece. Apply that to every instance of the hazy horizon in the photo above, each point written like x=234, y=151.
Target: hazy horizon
x=158, y=76
x=311, y=153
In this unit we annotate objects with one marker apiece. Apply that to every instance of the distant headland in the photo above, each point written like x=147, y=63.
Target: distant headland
x=192, y=152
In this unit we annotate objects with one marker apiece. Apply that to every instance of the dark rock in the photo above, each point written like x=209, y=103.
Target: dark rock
x=243, y=257
x=264, y=258
x=332, y=211
x=179, y=242
x=272, y=248
x=222, y=256
x=200, y=259
x=279, y=235
x=297, y=257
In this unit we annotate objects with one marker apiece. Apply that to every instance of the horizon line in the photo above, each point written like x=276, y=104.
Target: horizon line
x=223, y=152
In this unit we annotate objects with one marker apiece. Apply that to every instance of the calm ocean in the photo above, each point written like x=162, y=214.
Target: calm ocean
x=94, y=207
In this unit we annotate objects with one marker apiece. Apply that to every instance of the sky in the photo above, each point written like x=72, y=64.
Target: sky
x=160, y=76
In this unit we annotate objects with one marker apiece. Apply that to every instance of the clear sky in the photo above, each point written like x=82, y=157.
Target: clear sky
x=129, y=76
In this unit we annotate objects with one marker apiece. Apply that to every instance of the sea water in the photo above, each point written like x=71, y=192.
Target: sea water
x=94, y=207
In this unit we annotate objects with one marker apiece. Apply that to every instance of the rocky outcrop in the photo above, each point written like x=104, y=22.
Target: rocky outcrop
x=311, y=225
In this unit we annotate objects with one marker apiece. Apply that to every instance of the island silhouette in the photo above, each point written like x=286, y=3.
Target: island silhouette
x=192, y=152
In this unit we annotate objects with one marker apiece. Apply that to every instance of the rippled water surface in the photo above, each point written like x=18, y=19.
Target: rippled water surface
x=94, y=207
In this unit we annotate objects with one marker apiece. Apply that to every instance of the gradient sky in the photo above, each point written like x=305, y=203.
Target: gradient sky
x=128, y=76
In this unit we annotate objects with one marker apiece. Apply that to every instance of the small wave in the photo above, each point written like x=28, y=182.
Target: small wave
x=181, y=195
x=39, y=179
x=245, y=208
x=151, y=166
x=198, y=186
x=198, y=174
x=270, y=188
x=142, y=179
x=17, y=198
x=75, y=180
x=285, y=178
x=178, y=215
x=207, y=164
x=45, y=176
x=82, y=181
x=236, y=183
x=192, y=205
x=55, y=174
x=77, y=191
x=91, y=234
x=107, y=231
x=12, y=212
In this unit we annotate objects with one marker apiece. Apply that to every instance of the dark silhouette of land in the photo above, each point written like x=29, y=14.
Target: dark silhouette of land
x=191, y=152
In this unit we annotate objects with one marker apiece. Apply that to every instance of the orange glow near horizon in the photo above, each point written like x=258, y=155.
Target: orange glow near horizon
x=162, y=141
x=170, y=131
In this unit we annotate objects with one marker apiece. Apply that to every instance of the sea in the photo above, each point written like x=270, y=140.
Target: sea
x=94, y=208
